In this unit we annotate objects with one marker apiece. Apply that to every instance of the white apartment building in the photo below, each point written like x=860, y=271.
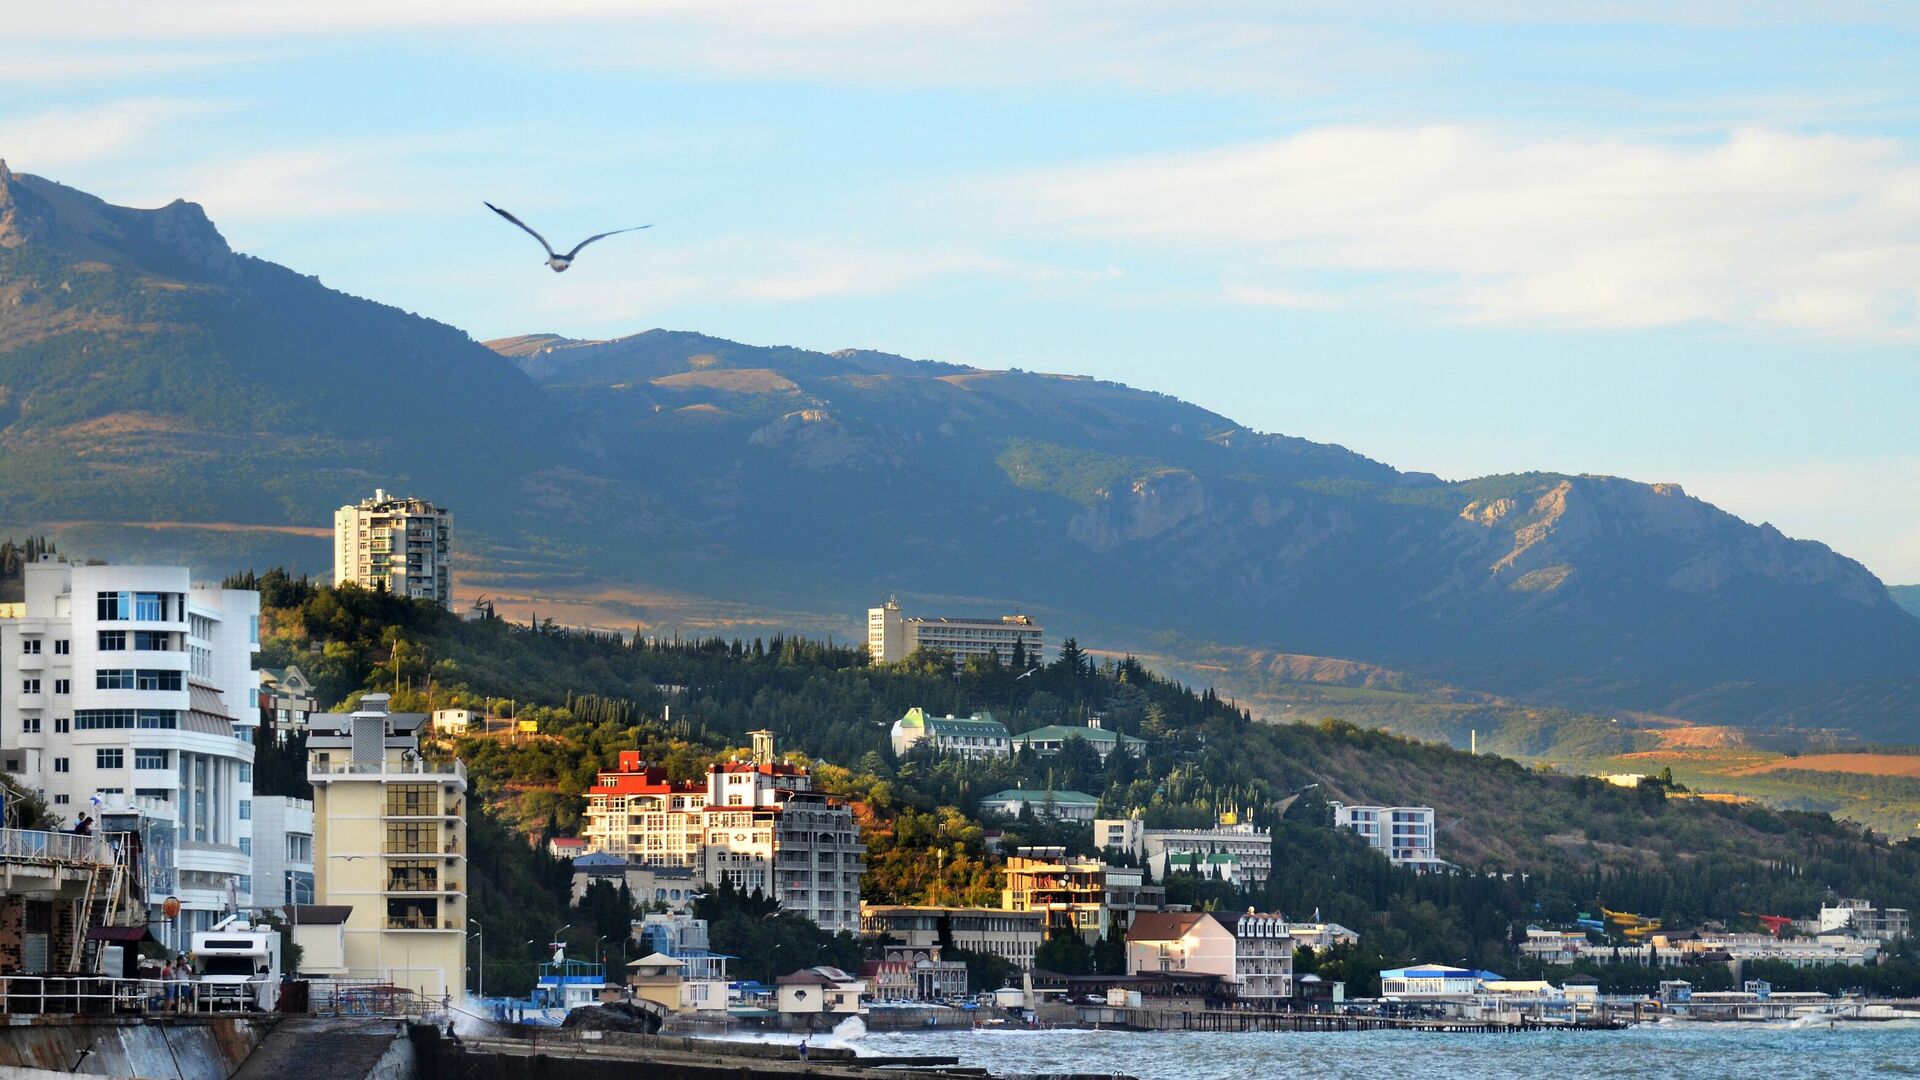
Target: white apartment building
x=395, y=545
x=893, y=636
x=390, y=842
x=757, y=823
x=1861, y=919
x=130, y=691
x=282, y=851
x=1404, y=834
x=1250, y=845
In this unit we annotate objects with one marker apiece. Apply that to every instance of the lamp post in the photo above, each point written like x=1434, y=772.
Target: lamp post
x=480, y=933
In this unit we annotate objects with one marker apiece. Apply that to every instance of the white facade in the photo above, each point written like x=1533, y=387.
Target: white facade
x=1862, y=919
x=1253, y=952
x=129, y=689
x=1251, y=845
x=973, y=737
x=892, y=636
x=1404, y=834
x=282, y=851
x=395, y=545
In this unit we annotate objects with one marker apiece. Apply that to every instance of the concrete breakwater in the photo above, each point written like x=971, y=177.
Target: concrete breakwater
x=184, y=1048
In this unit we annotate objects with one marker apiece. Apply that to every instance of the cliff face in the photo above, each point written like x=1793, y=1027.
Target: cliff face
x=148, y=373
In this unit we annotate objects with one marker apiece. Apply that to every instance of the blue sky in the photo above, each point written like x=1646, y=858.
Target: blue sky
x=1679, y=242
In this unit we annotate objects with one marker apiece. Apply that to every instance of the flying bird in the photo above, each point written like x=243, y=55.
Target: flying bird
x=556, y=261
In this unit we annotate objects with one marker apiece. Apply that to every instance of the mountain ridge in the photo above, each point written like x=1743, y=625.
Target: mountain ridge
x=783, y=479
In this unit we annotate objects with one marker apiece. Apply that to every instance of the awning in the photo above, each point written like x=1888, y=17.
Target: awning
x=126, y=935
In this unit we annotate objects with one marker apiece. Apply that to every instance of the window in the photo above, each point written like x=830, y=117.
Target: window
x=61, y=646
x=246, y=845
x=149, y=607
x=113, y=679
x=156, y=679
x=246, y=773
x=109, y=758
x=61, y=764
x=413, y=875
x=104, y=719
x=62, y=687
x=410, y=800
x=62, y=725
x=30, y=725
x=152, y=759
x=62, y=800
x=113, y=606
x=152, y=640
x=413, y=837
x=246, y=809
x=160, y=793
x=29, y=686
x=113, y=641
x=30, y=646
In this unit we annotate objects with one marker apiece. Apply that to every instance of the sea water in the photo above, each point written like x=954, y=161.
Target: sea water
x=1678, y=1051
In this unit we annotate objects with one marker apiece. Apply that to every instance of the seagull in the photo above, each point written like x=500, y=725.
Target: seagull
x=556, y=261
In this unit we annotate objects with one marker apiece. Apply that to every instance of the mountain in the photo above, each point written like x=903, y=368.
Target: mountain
x=1907, y=596
x=163, y=394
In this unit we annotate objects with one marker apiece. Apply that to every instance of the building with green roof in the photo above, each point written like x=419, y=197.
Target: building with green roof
x=1060, y=805
x=1050, y=740
x=977, y=736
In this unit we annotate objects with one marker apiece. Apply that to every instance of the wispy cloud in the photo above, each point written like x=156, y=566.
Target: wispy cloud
x=61, y=137
x=1819, y=234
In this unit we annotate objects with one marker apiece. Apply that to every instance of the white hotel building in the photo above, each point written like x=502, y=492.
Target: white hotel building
x=129, y=692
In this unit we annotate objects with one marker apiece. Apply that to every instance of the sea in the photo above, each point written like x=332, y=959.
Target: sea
x=1683, y=1051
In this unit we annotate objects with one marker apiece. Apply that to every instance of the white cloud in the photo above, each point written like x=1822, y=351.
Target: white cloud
x=43, y=142
x=1760, y=228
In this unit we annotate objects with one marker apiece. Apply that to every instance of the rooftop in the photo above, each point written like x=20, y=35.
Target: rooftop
x=1065, y=798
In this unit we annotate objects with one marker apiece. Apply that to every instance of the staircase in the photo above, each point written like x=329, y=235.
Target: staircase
x=108, y=889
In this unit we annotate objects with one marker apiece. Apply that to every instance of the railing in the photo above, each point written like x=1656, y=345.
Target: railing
x=98, y=995
x=36, y=845
x=416, y=767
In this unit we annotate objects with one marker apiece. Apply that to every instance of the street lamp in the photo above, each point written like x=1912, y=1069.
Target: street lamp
x=480, y=990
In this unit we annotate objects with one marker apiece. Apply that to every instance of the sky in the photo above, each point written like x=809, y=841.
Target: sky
x=1673, y=241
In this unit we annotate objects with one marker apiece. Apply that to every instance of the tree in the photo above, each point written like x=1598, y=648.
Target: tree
x=1064, y=952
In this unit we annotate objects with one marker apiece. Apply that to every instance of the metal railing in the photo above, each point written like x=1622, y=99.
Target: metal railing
x=416, y=767
x=99, y=995
x=37, y=845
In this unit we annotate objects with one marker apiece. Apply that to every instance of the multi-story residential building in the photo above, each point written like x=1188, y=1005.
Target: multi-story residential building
x=282, y=851
x=1058, y=805
x=1862, y=919
x=703, y=972
x=130, y=691
x=893, y=636
x=1050, y=740
x=1555, y=946
x=674, y=886
x=1251, y=845
x=757, y=823
x=973, y=737
x=1012, y=936
x=1404, y=834
x=390, y=841
x=1251, y=951
x=286, y=703
x=1083, y=895
x=395, y=545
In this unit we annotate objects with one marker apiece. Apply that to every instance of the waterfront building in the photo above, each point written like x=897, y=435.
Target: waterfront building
x=1404, y=834
x=702, y=973
x=395, y=545
x=53, y=887
x=1057, y=805
x=757, y=823
x=1252, y=845
x=1319, y=935
x=822, y=990
x=282, y=850
x=1012, y=936
x=1862, y=919
x=287, y=703
x=1251, y=951
x=1086, y=896
x=390, y=842
x=128, y=691
x=1050, y=740
x=909, y=974
x=975, y=737
x=1555, y=946
x=1433, y=981
x=892, y=636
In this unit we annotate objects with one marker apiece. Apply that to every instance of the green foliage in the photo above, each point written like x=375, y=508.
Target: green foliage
x=766, y=942
x=1064, y=953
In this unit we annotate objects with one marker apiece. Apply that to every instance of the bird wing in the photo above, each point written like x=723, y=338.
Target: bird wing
x=529, y=228
x=601, y=236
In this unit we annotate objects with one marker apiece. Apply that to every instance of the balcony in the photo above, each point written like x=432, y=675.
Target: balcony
x=323, y=772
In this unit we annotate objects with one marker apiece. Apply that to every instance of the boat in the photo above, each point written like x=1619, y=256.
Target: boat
x=561, y=986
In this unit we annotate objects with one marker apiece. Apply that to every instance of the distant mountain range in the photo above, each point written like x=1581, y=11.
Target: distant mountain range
x=161, y=394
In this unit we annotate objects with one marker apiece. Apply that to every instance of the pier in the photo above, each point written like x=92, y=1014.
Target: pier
x=1243, y=1020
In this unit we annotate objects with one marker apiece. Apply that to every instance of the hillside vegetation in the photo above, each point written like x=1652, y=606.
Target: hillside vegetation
x=1562, y=843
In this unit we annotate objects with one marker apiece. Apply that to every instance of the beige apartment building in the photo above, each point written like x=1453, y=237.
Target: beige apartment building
x=390, y=842
x=395, y=545
x=893, y=636
x=1012, y=936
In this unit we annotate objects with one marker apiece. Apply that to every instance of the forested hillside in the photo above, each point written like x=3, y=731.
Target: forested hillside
x=1560, y=844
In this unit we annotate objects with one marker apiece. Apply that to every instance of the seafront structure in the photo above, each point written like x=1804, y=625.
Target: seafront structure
x=1250, y=845
x=1012, y=936
x=973, y=737
x=1251, y=951
x=1050, y=740
x=1404, y=834
x=1086, y=896
x=130, y=693
x=395, y=545
x=390, y=842
x=700, y=973
x=904, y=973
x=892, y=636
x=757, y=823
